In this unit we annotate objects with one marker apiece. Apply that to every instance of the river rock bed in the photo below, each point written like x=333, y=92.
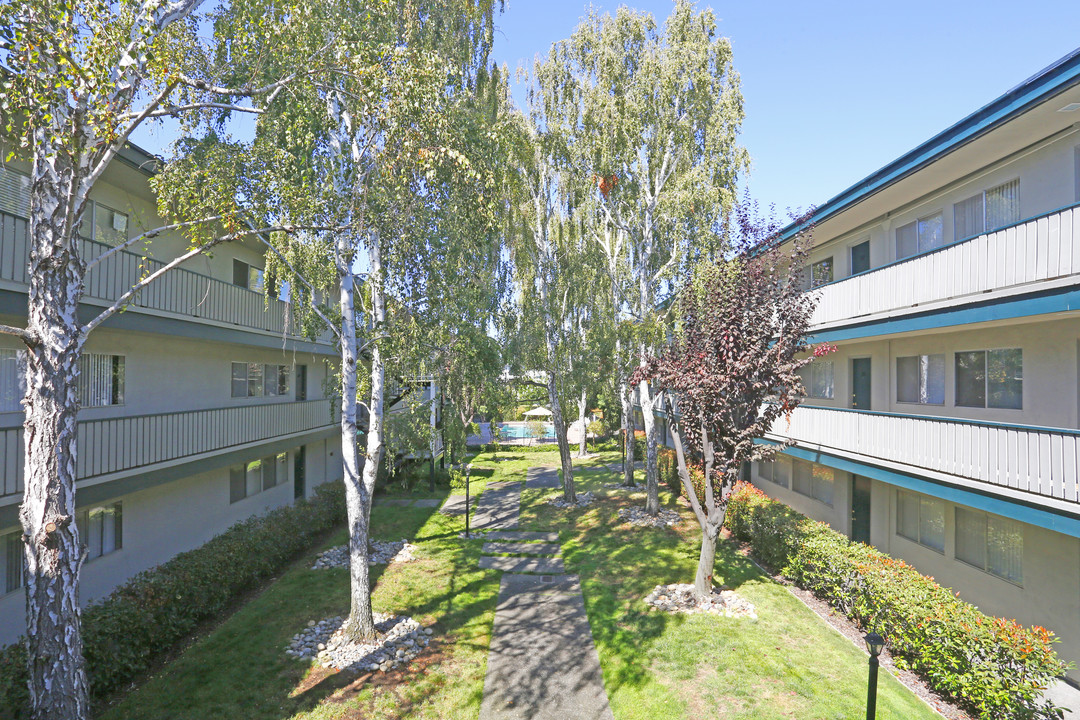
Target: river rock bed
x=382, y=553
x=583, y=500
x=638, y=516
x=679, y=598
x=400, y=640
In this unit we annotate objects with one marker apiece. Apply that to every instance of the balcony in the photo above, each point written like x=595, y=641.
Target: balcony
x=180, y=293
x=1006, y=261
x=993, y=457
x=140, y=441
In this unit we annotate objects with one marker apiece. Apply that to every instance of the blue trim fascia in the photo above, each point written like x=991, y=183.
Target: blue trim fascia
x=1015, y=509
x=1037, y=89
x=1041, y=302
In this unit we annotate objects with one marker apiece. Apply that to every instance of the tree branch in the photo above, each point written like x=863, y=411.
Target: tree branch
x=148, y=235
x=333, y=328
x=684, y=473
x=125, y=299
x=21, y=333
x=177, y=109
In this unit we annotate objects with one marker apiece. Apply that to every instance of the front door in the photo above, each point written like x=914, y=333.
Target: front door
x=299, y=489
x=860, y=383
x=860, y=509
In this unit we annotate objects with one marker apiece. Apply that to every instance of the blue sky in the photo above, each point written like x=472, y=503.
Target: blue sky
x=835, y=90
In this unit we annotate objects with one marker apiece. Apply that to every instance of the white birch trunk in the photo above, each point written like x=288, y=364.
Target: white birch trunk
x=628, y=434
x=361, y=624
x=569, y=494
x=53, y=553
x=583, y=450
x=652, y=472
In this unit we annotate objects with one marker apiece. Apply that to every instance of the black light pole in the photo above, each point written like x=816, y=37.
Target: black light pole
x=874, y=644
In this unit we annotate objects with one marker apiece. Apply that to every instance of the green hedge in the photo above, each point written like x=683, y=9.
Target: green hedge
x=995, y=667
x=152, y=612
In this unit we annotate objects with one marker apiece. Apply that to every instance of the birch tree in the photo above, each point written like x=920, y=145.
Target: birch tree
x=653, y=115
x=381, y=145
x=77, y=80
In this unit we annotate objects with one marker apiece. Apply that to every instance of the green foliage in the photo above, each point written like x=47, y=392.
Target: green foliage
x=150, y=614
x=993, y=666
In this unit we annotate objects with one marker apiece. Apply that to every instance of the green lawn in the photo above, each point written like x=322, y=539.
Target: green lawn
x=786, y=664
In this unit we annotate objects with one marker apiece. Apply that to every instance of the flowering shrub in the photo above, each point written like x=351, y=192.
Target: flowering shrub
x=149, y=614
x=995, y=667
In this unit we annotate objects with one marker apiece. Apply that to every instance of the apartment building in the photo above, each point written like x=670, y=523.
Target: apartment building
x=945, y=429
x=201, y=406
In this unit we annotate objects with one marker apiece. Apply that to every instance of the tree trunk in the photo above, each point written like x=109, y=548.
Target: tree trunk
x=582, y=406
x=53, y=553
x=628, y=435
x=652, y=473
x=359, y=483
x=703, y=580
x=560, y=436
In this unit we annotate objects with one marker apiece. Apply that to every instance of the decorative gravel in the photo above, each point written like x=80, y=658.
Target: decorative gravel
x=400, y=639
x=638, y=516
x=583, y=499
x=679, y=598
x=382, y=553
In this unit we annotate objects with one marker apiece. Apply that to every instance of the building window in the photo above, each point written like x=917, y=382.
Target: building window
x=817, y=379
x=995, y=208
x=257, y=380
x=921, y=379
x=101, y=529
x=920, y=236
x=813, y=480
x=247, y=276
x=821, y=272
x=12, y=380
x=990, y=378
x=777, y=470
x=101, y=380
x=860, y=257
x=921, y=519
x=11, y=562
x=991, y=543
x=110, y=226
x=256, y=476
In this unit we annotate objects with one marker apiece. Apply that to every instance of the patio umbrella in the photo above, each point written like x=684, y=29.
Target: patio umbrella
x=538, y=412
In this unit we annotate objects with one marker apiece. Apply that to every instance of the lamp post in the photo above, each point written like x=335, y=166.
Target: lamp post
x=874, y=645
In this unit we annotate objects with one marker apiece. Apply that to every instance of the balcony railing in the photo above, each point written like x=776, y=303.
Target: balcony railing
x=1039, y=249
x=128, y=443
x=1042, y=461
x=182, y=293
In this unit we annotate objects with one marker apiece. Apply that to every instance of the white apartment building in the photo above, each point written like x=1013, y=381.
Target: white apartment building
x=200, y=406
x=945, y=429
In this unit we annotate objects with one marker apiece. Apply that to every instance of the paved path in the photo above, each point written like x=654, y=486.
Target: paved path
x=542, y=477
x=498, y=506
x=542, y=664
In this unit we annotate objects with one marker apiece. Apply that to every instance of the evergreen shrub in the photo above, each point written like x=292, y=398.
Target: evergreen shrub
x=994, y=667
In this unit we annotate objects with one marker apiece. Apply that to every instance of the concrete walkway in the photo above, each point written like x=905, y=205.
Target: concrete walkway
x=542, y=664
x=498, y=507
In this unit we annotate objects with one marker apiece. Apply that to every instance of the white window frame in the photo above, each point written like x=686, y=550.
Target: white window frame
x=254, y=276
x=809, y=375
x=918, y=225
x=921, y=499
x=989, y=521
x=816, y=279
x=851, y=249
x=117, y=235
x=985, y=226
x=923, y=381
x=11, y=554
x=986, y=378
x=99, y=546
x=818, y=481
x=113, y=383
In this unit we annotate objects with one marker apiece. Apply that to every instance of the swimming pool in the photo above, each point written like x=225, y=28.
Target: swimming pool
x=518, y=430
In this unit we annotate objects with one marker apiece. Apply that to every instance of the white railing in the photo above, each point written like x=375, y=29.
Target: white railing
x=182, y=293
x=1042, y=461
x=127, y=443
x=1035, y=250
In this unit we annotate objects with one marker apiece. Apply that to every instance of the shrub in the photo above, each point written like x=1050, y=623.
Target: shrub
x=668, y=466
x=640, y=445
x=156, y=609
x=995, y=667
